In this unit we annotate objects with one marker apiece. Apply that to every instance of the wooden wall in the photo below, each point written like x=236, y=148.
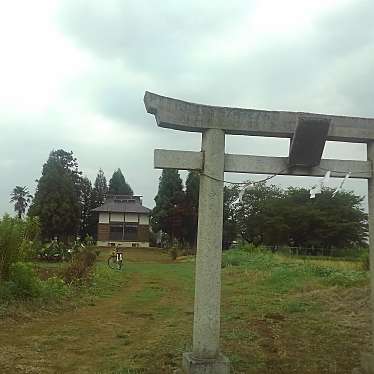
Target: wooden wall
x=103, y=232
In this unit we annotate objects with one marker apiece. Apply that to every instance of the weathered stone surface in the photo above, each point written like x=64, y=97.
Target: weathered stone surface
x=187, y=160
x=367, y=359
x=206, y=330
x=308, y=141
x=185, y=116
x=165, y=159
x=218, y=365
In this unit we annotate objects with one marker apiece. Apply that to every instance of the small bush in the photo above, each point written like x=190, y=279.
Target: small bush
x=89, y=241
x=54, y=251
x=80, y=266
x=54, y=288
x=23, y=283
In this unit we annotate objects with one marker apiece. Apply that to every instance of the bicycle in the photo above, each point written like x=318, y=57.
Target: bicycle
x=115, y=260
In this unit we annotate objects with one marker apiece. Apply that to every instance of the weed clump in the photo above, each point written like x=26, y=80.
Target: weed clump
x=80, y=267
x=335, y=277
x=259, y=259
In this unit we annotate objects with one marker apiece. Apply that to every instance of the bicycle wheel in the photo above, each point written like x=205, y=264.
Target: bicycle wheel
x=112, y=262
x=119, y=265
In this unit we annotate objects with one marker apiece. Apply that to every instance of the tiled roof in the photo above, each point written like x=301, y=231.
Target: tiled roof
x=122, y=207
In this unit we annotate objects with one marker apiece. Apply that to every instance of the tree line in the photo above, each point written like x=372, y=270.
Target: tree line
x=64, y=198
x=265, y=214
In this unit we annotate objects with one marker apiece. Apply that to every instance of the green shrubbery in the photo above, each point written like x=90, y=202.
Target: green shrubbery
x=284, y=271
x=18, y=241
x=54, y=251
x=54, y=288
x=23, y=281
x=24, y=284
x=249, y=256
x=11, y=237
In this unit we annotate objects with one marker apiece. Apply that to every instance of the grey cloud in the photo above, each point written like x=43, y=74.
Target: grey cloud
x=148, y=35
x=347, y=30
x=322, y=70
x=166, y=47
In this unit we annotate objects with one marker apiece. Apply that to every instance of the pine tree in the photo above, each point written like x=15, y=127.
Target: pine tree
x=57, y=197
x=100, y=189
x=168, y=212
x=118, y=184
x=191, y=207
x=192, y=188
x=21, y=198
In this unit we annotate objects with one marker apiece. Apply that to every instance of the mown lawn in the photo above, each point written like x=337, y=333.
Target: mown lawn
x=279, y=315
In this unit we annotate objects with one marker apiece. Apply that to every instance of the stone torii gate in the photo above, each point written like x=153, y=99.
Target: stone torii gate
x=308, y=133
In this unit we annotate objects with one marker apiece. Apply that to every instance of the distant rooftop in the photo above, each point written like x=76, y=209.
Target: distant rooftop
x=123, y=204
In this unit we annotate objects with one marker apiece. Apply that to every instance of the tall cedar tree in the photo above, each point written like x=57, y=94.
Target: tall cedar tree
x=100, y=189
x=118, y=184
x=86, y=207
x=167, y=215
x=99, y=193
x=57, y=197
x=21, y=198
x=191, y=207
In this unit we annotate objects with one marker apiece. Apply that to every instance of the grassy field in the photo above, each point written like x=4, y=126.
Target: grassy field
x=279, y=315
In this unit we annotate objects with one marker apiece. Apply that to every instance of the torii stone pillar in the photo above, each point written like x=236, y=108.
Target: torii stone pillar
x=308, y=133
x=206, y=357
x=367, y=359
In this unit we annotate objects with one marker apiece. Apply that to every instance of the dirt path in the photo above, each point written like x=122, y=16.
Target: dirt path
x=113, y=335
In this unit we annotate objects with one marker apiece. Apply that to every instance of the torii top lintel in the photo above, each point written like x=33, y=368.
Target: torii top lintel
x=185, y=116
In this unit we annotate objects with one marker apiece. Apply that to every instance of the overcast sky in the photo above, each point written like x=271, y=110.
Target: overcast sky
x=73, y=75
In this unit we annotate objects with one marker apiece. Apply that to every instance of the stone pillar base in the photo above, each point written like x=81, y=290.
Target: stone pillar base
x=367, y=364
x=219, y=365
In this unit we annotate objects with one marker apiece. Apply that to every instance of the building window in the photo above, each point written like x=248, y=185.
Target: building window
x=131, y=232
x=116, y=232
x=120, y=231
